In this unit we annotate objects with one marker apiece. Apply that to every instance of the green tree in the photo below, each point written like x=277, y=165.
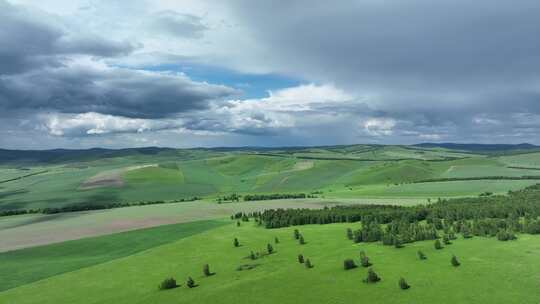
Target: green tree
x=168, y=283
x=446, y=239
x=296, y=234
x=438, y=245
x=301, y=240
x=206, y=270
x=421, y=255
x=350, y=234
x=300, y=259
x=349, y=264
x=403, y=284
x=236, y=242
x=237, y=223
x=364, y=260
x=276, y=240
x=269, y=248
x=454, y=261
x=372, y=277
x=190, y=283
x=308, y=264
x=252, y=256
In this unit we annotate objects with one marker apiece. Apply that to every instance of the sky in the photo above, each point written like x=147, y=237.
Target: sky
x=201, y=73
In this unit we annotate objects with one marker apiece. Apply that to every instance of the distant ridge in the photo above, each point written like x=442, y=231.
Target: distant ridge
x=479, y=147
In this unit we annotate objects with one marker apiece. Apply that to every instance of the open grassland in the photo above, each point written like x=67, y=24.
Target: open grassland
x=491, y=271
x=38, y=229
x=343, y=171
x=33, y=264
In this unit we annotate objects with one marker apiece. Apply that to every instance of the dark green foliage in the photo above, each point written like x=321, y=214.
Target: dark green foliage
x=206, y=270
x=308, y=264
x=252, y=256
x=364, y=260
x=296, y=234
x=398, y=243
x=350, y=234
x=421, y=255
x=168, y=283
x=269, y=248
x=190, y=283
x=245, y=218
x=300, y=259
x=276, y=240
x=403, y=284
x=446, y=240
x=238, y=224
x=236, y=242
x=454, y=261
x=372, y=277
x=262, y=197
x=438, y=245
x=301, y=240
x=505, y=235
x=349, y=264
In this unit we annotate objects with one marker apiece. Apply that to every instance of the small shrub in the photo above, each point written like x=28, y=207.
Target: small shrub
x=403, y=284
x=276, y=240
x=308, y=264
x=206, y=270
x=438, y=245
x=350, y=234
x=237, y=223
x=372, y=277
x=252, y=256
x=236, y=242
x=398, y=243
x=454, y=261
x=296, y=234
x=190, y=283
x=301, y=240
x=168, y=283
x=421, y=255
x=446, y=240
x=269, y=248
x=364, y=260
x=300, y=259
x=349, y=264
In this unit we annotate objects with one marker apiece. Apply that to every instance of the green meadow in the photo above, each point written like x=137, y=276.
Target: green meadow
x=491, y=271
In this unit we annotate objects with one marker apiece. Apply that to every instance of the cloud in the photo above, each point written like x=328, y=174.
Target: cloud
x=379, y=126
x=88, y=124
x=177, y=24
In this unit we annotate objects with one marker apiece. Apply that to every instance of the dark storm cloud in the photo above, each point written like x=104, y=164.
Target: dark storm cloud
x=435, y=64
x=32, y=39
x=115, y=91
x=178, y=25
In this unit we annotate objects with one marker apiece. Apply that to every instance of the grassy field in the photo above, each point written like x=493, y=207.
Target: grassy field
x=33, y=264
x=491, y=271
x=170, y=176
x=38, y=229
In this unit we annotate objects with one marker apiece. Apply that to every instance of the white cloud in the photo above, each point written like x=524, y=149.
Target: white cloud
x=73, y=125
x=380, y=126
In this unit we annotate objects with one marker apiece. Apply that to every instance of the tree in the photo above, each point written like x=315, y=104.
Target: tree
x=372, y=277
x=300, y=259
x=237, y=223
x=168, y=283
x=252, y=256
x=349, y=264
x=206, y=270
x=269, y=248
x=308, y=264
x=301, y=240
x=364, y=260
x=421, y=255
x=190, y=283
x=403, y=284
x=236, y=242
x=454, y=261
x=438, y=244
x=350, y=234
x=446, y=239
x=276, y=240
x=296, y=234
x=398, y=243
